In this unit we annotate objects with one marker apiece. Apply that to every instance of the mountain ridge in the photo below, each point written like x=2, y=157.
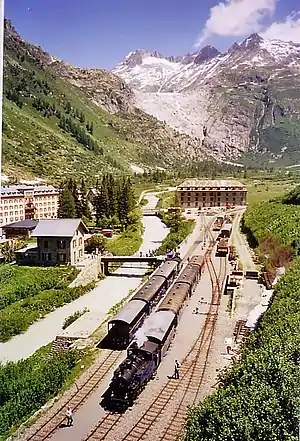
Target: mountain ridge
x=85, y=120
x=245, y=100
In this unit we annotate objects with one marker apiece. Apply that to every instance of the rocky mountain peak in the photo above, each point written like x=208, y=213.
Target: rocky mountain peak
x=206, y=54
x=136, y=58
x=252, y=42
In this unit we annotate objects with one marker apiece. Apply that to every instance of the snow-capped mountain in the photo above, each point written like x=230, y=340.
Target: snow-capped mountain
x=232, y=101
x=152, y=72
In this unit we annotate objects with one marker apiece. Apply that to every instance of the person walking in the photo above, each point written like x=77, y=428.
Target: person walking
x=176, y=370
x=69, y=415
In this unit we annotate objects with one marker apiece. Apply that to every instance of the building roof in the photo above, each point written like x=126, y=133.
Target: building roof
x=27, y=224
x=58, y=227
x=129, y=312
x=210, y=183
x=18, y=190
x=30, y=248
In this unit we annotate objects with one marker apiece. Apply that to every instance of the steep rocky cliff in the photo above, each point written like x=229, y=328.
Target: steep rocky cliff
x=61, y=120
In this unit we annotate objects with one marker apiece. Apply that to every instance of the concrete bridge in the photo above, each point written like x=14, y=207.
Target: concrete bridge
x=106, y=260
x=150, y=211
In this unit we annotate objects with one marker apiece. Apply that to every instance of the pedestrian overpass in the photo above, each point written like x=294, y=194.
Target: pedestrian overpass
x=150, y=211
x=106, y=260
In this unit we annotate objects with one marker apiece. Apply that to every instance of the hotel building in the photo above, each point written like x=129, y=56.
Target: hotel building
x=193, y=193
x=19, y=202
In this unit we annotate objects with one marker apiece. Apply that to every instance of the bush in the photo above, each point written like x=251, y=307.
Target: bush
x=27, y=385
x=94, y=242
x=128, y=242
x=16, y=318
x=21, y=282
x=180, y=228
x=73, y=317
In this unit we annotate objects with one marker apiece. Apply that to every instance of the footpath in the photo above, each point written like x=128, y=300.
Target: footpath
x=106, y=294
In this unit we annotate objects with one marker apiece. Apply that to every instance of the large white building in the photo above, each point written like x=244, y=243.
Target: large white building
x=19, y=202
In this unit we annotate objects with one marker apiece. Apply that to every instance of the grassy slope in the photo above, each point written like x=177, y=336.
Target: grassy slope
x=35, y=145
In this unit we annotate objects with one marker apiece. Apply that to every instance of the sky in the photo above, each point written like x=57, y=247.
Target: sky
x=100, y=33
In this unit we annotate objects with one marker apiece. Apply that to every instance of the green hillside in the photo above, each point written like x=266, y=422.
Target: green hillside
x=53, y=128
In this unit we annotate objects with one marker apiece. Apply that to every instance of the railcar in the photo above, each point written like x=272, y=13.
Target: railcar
x=175, y=299
x=218, y=223
x=199, y=261
x=123, y=326
x=222, y=247
x=226, y=230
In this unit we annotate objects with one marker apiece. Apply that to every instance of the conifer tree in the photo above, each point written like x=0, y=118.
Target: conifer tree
x=66, y=203
x=84, y=205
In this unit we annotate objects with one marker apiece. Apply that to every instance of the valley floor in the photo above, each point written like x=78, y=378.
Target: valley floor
x=90, y=413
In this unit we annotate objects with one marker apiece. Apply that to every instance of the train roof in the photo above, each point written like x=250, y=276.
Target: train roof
x=159, y=325
x=189, y=273
x=197, y=260
x=166, y=268
x=175, y=298
x=149, y=289
x=227, y=227
x=129, y=312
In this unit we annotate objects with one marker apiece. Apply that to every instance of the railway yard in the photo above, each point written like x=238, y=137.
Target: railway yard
x=202, y=333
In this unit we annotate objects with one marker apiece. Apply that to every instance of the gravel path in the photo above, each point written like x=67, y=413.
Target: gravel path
x=107, y=293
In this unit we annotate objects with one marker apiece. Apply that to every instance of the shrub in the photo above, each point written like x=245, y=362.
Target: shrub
x=73, y=317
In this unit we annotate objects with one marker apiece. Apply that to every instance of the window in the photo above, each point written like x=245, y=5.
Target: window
x=62, y=257
x=80, y=253
x=74, y=243
x=46, y=244
x=46, y=257
x=80, y=241
x=61, y=244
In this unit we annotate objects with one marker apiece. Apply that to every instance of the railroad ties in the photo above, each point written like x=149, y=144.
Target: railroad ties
x=240, y=331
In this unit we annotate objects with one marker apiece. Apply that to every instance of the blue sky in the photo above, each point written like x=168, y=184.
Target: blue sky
x=100, y=33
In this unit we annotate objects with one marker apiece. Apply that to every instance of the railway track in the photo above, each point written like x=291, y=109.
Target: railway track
x=46, y=426
x=192, y=372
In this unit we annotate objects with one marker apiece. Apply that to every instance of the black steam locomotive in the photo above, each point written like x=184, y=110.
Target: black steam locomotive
x=131, y=376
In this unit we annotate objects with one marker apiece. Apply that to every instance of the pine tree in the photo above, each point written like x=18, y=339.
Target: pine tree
x=72, y=186
x=126, y=201
x=84, y=205
x=112, y=196
x=66, y=203
x=81, y=117
x=101, y=200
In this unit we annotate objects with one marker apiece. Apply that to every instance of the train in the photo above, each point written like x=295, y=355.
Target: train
x=218, y=223
x=146, y=352
x=225, y=231
x=222, y=247
x=123, y=326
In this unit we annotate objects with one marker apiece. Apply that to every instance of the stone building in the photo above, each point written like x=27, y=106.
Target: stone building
x=194, y=193
x=60, y=241
x=20, y=202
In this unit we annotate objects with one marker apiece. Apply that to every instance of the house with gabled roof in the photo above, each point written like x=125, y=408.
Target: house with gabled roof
x=60, y=241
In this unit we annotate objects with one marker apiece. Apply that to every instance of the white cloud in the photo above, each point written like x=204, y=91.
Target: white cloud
x=236, y=18
x=287, y=30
